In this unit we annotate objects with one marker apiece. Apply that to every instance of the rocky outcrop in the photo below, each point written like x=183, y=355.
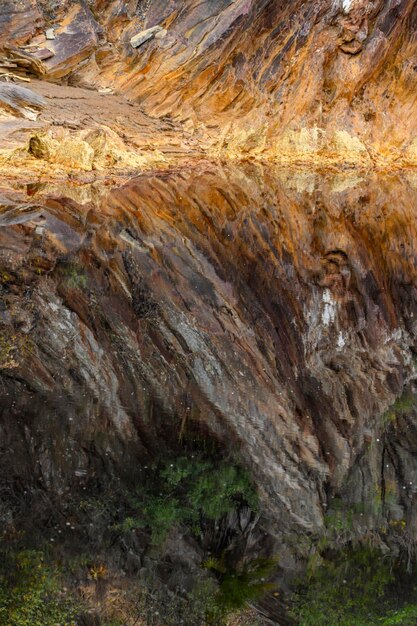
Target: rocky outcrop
x=318, y=82
x=57, y=144
x=269, y=311
x=146, y=35
x=259, y=70
x=19, y=21
x=76, y=37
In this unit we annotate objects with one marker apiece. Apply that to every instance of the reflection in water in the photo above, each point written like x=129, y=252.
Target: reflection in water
x=169, y=347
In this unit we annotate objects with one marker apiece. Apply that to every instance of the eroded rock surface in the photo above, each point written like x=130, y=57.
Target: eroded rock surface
x=317, y=82
x=123, y=138
x=271, y=310
x=20, y=101
x=19, y=20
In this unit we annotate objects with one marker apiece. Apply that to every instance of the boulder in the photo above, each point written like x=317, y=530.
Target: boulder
x=145, y=35
x=69, y=152
x=20, y=101
x=41, y=147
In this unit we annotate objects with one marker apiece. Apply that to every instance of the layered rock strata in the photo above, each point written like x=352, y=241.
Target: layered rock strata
x=318, y=82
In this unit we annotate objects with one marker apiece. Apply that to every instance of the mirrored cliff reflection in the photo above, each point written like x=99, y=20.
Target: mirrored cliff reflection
x=207, y=390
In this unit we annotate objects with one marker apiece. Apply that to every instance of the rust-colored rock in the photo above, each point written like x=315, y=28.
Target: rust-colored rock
x=19, y=20
x=237, y=296
x=277, y=81
x=130, y=140
x=268, y=307
x=71, y=153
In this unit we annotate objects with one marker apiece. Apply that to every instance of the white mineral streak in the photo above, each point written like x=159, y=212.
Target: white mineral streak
x=329, y=309
x=341, y=342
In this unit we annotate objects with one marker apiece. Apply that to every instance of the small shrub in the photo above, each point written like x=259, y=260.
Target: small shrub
x=75, y=277
x=237, y=587
x=351, y=586
x=180, y=491
x=31, y=593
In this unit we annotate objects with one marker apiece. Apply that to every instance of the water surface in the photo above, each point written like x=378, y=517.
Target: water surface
x=253, y=319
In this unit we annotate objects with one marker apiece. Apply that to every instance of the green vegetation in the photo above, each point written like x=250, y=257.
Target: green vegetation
x=340, y=519
x=220, y=593
x=31, y=592
x=186, y=492
x=352, y=586
x=75, y=277
x=237, y=586
x=180, y=491
x=200, y=607
x=188, y=610
x=344, y=522
x=406, y=616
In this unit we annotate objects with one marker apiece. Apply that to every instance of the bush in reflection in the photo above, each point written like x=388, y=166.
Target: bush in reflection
x=217, y=600
x=31, y=592
x=355, y=586
x=209, y=500
x=237, y=586
x=186, y=490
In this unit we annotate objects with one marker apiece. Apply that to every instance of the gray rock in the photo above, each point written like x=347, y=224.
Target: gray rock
x=161, y=34
x=144, y=36
x=20, y=100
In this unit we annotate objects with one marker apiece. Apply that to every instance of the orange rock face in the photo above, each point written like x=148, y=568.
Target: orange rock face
x=281, y=79
x=256, y=288
x=316, y=82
